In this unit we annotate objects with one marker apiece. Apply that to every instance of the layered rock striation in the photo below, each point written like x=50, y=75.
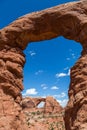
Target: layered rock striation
x=11, y=63
x=76, y=109
x=68, y=20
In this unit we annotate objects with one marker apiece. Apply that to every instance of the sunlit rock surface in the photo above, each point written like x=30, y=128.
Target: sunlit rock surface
x=68, y=20
x=50, y=104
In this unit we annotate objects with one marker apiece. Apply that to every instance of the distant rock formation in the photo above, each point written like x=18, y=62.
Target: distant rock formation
x=28, y=102
x=50, y=104
x=68, y=20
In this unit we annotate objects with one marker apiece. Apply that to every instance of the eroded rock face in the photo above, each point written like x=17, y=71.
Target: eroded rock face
x=28, y=103
x=68, y=20
x=50, y=104
x=11, y=63
x=76, y=110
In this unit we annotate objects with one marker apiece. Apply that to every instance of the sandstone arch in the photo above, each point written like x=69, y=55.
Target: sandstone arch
x=68, y=20
x=50, y=104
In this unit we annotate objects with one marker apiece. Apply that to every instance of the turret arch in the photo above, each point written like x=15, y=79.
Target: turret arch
x=68, y=20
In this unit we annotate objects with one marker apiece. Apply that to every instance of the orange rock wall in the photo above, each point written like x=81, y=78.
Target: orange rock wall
x=11, y=63
x=76, y=109
x=68, y=20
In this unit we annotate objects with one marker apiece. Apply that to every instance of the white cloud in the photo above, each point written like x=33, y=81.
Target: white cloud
x=54, y=88
x=63, y=102
x=61, y=95
x=44, y=86
x=73, y=56
x=66, y=68
x=32, y=53
x=59, y=75
x=31, y=91
x=41, y=105
x=44, y=96
x=38, y=72
x=68, y=74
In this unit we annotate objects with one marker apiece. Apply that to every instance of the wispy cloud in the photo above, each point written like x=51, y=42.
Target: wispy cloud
x=68, y=74
x=67, y=58
x=44, y=86
x=32, y=53
x=59, y=75
x=66, y=68
x=54, y=88
x=63, y=102
x=31, y=91
x=38, y=72
x=61, y=95
x=73, y=56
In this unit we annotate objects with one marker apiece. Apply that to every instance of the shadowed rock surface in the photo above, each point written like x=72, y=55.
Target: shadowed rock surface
x=68, y=20
x=29, y=102
x=50, y=104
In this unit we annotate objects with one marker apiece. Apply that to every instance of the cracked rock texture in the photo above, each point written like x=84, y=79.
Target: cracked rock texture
x=11, y=64
x=68, y=20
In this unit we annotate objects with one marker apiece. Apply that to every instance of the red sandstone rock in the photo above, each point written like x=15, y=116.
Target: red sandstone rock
x=11, y=115
x=68, y=20
x=28, y=103
x=50, y=104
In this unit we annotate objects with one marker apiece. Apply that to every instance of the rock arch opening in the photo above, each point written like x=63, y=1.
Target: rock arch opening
x=41, y=105
x=47, y=68
x=68, y=20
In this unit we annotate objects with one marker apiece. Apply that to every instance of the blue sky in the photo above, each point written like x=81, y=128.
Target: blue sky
x=48, y=63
